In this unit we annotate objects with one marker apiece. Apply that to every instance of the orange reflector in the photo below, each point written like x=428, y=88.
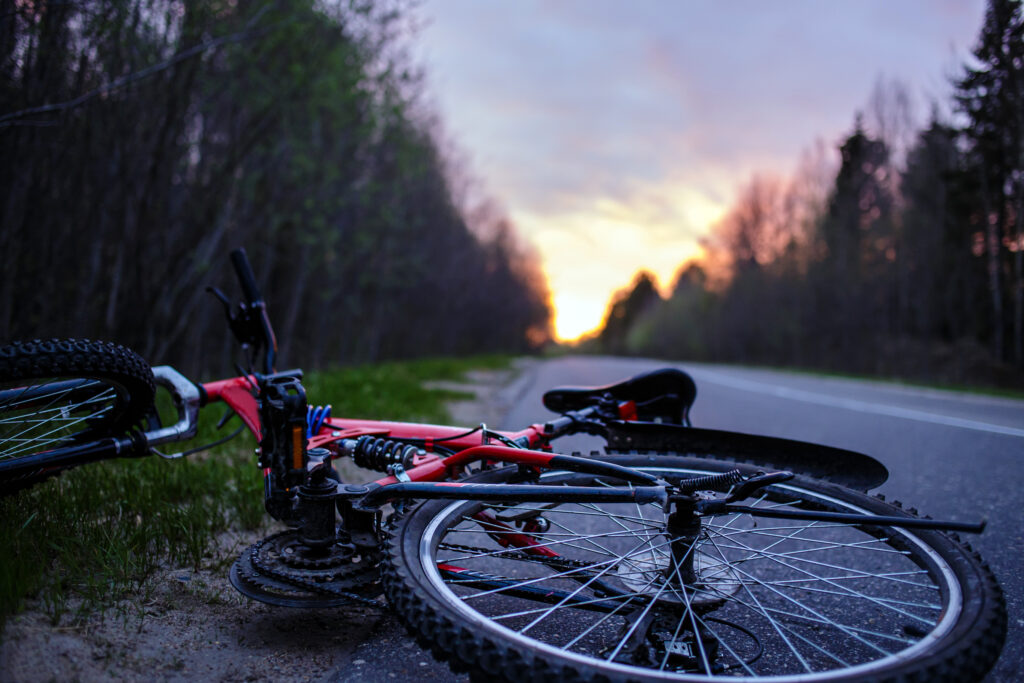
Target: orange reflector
x=297, y=447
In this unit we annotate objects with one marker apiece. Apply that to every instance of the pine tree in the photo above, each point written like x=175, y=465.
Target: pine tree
x=943, y=273
x=991, y=96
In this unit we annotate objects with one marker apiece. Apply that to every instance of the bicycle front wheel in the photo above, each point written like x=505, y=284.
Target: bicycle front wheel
x=595, y=591
x=60, y=392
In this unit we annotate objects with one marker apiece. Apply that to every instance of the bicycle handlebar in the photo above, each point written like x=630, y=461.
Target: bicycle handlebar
x=245, y=276
x=254, y=323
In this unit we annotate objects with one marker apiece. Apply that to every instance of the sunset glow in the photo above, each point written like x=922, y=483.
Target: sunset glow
x=590, y=252
x=616, y=134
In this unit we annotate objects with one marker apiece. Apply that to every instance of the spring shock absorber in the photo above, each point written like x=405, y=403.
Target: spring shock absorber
x=711, y=482
x=378, y=454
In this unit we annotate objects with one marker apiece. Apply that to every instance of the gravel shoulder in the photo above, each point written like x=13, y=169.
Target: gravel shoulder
x=187, y=625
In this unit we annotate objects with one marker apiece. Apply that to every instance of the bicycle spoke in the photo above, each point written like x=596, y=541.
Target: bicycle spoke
x=612, y=561
x=592, y=542
x=760, y=608
x=818, y=563
x=826, y=545
x=905, y=603
x=846, y=590
x=598, y=623
x=549, y=611
x=639, y=619
x=813, y=620
x=841, y=627
x=41, y=440
x=889, y=576
x=623, y=599
x=493, y=529
x=59, y=419
x=568, y=542
x=689, y=610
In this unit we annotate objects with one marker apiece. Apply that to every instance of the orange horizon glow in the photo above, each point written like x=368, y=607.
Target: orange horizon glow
x=572, y=320
x=568, y=323
x=592, y=251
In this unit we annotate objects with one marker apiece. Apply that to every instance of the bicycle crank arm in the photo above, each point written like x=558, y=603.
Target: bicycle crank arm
x=515, y=493
x=718, y=508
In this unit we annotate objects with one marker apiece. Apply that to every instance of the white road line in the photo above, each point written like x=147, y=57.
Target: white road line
x=853, y=404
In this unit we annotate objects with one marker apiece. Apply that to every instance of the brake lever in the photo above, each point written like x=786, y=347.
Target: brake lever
x=222, y=298
x=241, y=323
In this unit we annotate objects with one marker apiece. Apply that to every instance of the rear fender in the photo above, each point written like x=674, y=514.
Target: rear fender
x=848, y=468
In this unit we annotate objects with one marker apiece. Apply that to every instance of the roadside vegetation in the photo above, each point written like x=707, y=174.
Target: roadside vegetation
x=144, y=139
x=96, y=534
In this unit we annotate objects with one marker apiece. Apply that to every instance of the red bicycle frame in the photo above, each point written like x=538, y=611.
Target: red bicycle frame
x=429, y=466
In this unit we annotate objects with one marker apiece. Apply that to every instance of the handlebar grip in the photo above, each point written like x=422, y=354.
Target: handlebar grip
x=245, y=276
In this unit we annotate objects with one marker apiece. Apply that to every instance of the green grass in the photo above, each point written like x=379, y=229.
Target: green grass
x=97, y=533
x=394, y=391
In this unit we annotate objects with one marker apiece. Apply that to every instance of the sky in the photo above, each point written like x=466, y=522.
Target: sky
x=615, y=134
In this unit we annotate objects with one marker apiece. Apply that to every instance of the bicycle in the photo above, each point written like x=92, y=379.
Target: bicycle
x=679, y=553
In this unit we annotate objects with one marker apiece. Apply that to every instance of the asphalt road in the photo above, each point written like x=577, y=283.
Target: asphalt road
x=952, y=456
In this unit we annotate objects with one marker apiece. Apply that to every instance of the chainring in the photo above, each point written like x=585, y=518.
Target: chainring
x=281, y=570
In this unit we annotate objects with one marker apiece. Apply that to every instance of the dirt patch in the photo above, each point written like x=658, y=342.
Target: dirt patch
x=188, y=625
x=193, y=625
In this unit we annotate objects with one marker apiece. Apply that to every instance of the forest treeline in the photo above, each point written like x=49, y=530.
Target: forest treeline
x=143, y=139
x=906, y=258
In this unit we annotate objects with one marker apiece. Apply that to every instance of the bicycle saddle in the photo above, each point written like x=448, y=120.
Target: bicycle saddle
x=663, y=395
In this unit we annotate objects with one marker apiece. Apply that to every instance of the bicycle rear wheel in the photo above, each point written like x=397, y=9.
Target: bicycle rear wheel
x=591, y=591
x=56, y=393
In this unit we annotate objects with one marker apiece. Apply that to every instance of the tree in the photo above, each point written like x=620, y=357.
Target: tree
x=624, y=309
x=948, y=285
x=289, y=127
x=857, y=233
x=754, y=231
x=990, y=95
x=859, y=206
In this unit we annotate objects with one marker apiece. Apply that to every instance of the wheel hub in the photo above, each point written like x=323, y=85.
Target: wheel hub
x=651, y=573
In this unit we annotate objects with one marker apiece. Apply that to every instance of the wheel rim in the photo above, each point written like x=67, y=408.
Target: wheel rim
x=41, y=414
x=820, y=600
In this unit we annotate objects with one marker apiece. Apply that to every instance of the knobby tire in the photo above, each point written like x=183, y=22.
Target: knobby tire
x=822, y=602
x=60, y=392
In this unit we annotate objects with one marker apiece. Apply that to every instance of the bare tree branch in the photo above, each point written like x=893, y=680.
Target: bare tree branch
x=11, y=119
